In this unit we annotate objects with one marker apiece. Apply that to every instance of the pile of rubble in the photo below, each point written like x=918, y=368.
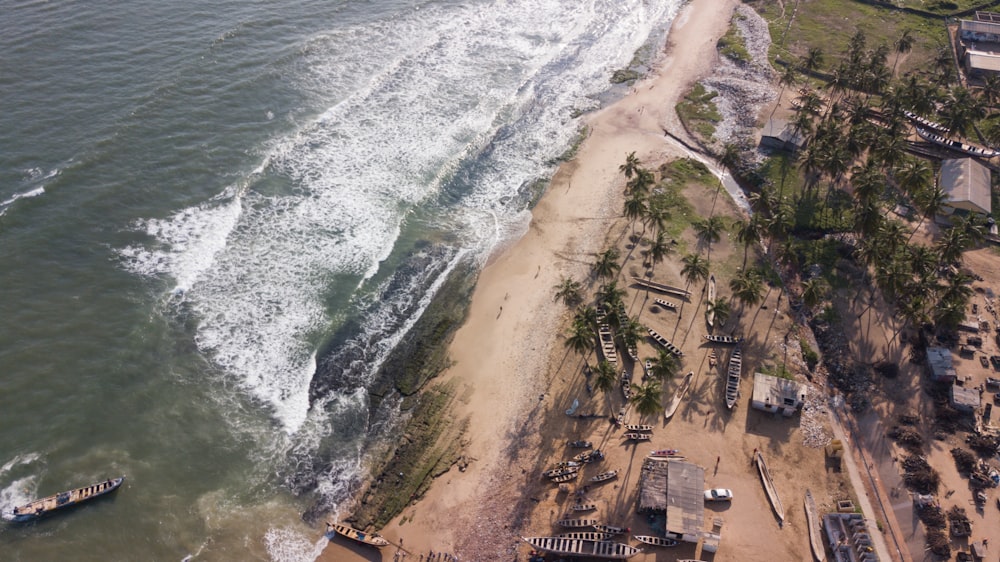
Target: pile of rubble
x=814, y=421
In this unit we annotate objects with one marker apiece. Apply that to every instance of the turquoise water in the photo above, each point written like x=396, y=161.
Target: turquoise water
x=198, y=197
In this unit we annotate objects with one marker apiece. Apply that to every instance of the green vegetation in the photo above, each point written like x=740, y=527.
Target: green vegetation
x=624, y=76
x=809, y=354
x=732, y=44
x=698, y=112
x=581, y=135
x=778, y=370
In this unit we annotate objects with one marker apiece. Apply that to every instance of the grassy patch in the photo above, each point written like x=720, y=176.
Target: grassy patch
x=698, y=112
x=777, y=370
x=732, y=45
x=809, y=354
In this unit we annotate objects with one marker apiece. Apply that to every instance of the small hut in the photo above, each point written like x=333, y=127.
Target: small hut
x=964, y=399
x=939, y=359
x=775, y=394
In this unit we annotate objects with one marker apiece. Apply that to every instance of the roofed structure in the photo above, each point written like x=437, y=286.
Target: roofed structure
x=653, y=486
x=779, y=134
x=967, y=184
x=685, y=500
x=964, y=399
x=774, y=394
x=939, y=359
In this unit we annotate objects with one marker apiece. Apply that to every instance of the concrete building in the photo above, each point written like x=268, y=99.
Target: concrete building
x=939, y=360
x=967, y=184
x=775, y=394
x=979, y=44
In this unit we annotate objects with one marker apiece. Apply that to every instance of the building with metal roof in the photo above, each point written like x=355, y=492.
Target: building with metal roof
x=967, y=184
x=685, y=500
x=939, y=360
x=775, y=394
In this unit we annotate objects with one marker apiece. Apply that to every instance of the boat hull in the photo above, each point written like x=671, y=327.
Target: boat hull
x=64, y=500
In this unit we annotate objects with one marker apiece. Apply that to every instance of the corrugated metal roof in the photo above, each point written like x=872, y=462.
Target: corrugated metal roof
x=979, y=60
x=965, y=180
x=769, y=388
x=685, y=498
x=973, y=26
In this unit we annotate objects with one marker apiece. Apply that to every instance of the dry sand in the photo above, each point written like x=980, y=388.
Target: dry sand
x=518, y=377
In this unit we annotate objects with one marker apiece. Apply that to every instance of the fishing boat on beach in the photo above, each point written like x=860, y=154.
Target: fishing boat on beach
x=589, y=456
x=678, y=396
x=956, y=144
x=575, y=523
x=733, y=378
x=608, y=344
x=626, y=382
x=569, y=476
x=371, y=539
x=665, y=304
x=660, y=287
x=62, y=500
x=710, y=313
x=612, y=529
x=581, y=444
x=723, y=339
x=580, y=547
x=636, y=436
x=556, y=472
x=586, y=535
x=655, y=541
x=638, y=427
x=772, y=493
x=812, y=520
x=665, y=453
x=665, y=343
x=583, y=507
x=604, y=476
x=926, y=123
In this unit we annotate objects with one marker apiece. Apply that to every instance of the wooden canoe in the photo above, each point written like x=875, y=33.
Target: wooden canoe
x=574, y=523
x=812, y=519
x=710, y=314
x=733, y=378
x=678, y=396
x=371, y=539
x=665, y=453
x=579, y=547
x=611, y=529
x=636, y=436
x=638, y=427
x=772, y=493
x=586, y=535
x=665, y=342
x=665, y=304
x=723, y=339
x=660, y=287
x=565, y=477
x=604, y=476
x=655, y=541
x=582, y=507
x=44, y=506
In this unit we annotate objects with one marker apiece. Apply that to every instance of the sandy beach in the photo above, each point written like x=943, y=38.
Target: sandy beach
x=517, y=377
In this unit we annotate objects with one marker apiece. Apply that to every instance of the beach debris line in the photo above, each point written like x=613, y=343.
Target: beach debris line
x=371, y=539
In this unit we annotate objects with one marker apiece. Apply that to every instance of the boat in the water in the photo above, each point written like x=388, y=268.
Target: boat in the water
x=586, y=535
x=581, y=444
x=710, y=313
x=62, y=500
x=665, y=342
x=604, y=476
x=612, y=529
x=655, y=541
x=665, y=453
x=956, y=144
x=815, y=534
x=678, y=396
x=371, y=539
x=772, y=492
x=576, y=522
x=660, y=287
x=665, y=304
x=723, y=339
x=579, y=547
x=638, y=427
x=636, y=436
x=733, y=378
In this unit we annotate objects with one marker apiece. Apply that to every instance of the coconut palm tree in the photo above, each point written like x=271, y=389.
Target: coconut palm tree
x=904, y=44
x=659, y=248
x=630, y=166
x=606, y=379
x=695, y=268
x=930, y=200
x=646, y=398
x=631, y=332
x=657, y=214
x=720, y=308
x=635, y=208
x=665, y=365
x=748, y=233
x=813, y=291
x=610, y=295
x=710, y=230
x=607, y=265
x=641, y=183
x=586, y=315
x=568, y=291
x=747, y=287
x=813, y=59
x=581, y=338
x=788, y=77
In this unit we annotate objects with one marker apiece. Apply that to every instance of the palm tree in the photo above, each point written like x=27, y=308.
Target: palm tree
x=720, y=308
x=657, y=214
x=903, y=45
x=710, y=230
x=788, y=77
x=586, y=315
x=747, y=287
x=630, y=166
x=568, y=291
x=607, y=263
x=813, y=59
x=931, y=199
x=606, y=379
x=643, y=180
x=665, y=365
x=646, y=398
x=813, y=291
x=610, y=295
x=635, y=207
x=580, y=339
x=659, y=249
x=749, y=233
x=631, y=332
x=695, y=268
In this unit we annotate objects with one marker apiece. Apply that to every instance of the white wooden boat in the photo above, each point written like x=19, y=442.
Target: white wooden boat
x=815, y=536
x=926, y=123
x=579, y=547
x=710, y=315
x=713, y=359
x=655, y=541
x=611, y=529
x=723, y=339
x=371, y=539
x=956, y=144
x=576, y=522
x=63, y=500
x=565, y=477
x=638, y=427
x=566, y=464
x=586, y=535
x=678, y=396
x=589, y=456
x=665, y=343
x=608, y=344
x=660, y=287
x=733, y=378
x=665, y=453
x=626, y=382
x=583, y=507
x=604, y=476
x=555, y=472
x=772, y=493
x=636, y=436
x=665, y=304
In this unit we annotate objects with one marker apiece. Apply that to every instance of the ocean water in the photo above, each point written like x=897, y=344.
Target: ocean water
x=196, y=196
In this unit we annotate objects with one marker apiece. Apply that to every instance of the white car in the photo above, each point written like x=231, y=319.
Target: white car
x=718, y=495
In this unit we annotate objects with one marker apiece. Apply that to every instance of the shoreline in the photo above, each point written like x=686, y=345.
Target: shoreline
x=512, y=301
